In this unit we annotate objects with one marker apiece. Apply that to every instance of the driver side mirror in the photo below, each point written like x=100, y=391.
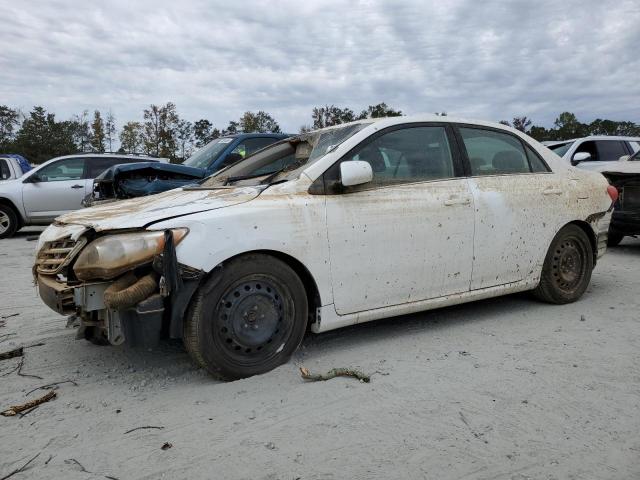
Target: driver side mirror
x=355, y=172
x=580, y=157
x=34, y=178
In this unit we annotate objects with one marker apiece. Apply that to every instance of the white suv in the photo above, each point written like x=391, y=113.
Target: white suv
x=53, y=188
x=590, y=152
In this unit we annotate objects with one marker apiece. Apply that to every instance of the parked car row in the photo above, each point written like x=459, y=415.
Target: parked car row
x=56, y=187
x=325, y=229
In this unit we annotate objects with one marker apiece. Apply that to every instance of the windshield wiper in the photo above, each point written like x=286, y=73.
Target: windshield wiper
x=246, y=177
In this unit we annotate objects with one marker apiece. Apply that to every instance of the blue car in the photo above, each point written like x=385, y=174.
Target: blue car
x=148, y=178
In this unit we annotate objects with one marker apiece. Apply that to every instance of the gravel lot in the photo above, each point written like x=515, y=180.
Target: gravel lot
x=503, y=389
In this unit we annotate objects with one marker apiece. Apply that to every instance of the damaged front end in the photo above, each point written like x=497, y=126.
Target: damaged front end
x=120, y=287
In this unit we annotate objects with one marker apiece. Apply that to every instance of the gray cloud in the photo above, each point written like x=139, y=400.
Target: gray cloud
x=489, y=60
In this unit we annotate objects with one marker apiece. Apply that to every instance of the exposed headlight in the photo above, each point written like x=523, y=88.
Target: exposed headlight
x=111, y=255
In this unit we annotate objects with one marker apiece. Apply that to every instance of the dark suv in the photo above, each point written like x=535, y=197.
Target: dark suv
x=141, y=179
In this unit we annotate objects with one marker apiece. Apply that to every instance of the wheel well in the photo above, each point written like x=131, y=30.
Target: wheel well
x=310, y=286
x=10, y=204
x=586, y=228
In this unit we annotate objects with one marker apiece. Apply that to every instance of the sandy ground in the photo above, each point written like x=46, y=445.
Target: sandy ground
x=500, y=389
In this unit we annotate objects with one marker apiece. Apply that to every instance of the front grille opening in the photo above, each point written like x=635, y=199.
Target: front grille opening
x=56, y=255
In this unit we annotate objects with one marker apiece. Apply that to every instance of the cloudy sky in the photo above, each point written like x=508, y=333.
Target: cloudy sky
x=480, y=59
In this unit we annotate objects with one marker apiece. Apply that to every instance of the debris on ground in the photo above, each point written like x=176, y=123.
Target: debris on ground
x=50, y=386
x=21, y=469
x=15, y=409
x=143, y=428
x=16, y=352
x=335, y=372
x=166, y=446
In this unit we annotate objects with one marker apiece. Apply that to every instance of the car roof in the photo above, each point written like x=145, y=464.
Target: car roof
x=110, y=155
x=599, y=137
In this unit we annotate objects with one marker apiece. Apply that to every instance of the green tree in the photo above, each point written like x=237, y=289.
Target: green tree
x=8, y=125
x=131, y=137
x=231, y=129
x=184, y=134
x=330, y=115
x=110, y=129
x=378, y=111
x=568, y=126
x=202, y=132
x=521, y=123
x=97, y=138
x=160, y=126
x=260, y=122
x=40, y=137
x=81, y=131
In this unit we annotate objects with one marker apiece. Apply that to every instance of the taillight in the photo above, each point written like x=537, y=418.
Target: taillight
x=613, y=193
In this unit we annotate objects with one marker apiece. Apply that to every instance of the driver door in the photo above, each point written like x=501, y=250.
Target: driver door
x=407, y=235
x=59, y=188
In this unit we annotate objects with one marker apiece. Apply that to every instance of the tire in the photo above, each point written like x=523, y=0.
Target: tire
x=614, y=239
x=246, y=319
x=567, y=267
x=8, y=221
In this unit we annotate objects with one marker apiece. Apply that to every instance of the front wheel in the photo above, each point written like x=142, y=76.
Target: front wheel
x=567, y=267
x=246, y=319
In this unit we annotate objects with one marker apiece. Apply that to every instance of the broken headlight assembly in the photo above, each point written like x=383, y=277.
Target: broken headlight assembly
x=112, y=255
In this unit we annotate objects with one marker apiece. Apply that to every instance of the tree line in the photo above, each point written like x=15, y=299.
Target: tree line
x=161, y=132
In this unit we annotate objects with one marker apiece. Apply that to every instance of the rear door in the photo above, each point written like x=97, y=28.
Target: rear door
x=516, y=199
x=407, y=235
x=60, y=189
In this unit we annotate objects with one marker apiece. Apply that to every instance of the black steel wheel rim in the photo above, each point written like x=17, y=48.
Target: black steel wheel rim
x=569, y=264
x=253, y=319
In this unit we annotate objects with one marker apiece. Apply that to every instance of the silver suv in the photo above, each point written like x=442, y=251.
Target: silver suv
x=54, y=188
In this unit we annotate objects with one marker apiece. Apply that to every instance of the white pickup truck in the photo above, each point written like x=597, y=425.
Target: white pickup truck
x=13, y=166
x=54, y=188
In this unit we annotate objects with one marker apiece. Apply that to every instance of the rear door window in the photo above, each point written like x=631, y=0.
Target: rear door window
x=97, y=165
x=494, y=153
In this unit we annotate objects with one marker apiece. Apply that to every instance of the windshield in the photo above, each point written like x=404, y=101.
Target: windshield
x=561, y=148
x=208, y=154
x=283, y=160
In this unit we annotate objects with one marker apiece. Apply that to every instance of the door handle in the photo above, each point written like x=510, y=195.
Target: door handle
x=457, y=201
x=78, y=186
x=552, y=191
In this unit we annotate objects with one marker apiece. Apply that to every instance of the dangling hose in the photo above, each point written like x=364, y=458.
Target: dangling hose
x=128, y=291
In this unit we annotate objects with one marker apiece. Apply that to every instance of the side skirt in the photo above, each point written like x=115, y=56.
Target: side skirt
x=330, y=320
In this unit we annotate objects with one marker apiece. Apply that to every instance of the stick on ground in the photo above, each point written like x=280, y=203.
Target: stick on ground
x=15, y=409
x=16, y=352
x=142, y=428
x=21, y=469
x=49, y=385
x=335, y=372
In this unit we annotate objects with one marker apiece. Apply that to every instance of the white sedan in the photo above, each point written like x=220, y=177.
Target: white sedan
x=329, y=228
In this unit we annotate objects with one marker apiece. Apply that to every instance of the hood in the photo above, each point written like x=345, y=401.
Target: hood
x=141, y=212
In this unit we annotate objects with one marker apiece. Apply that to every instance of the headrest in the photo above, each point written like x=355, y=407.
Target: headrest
x=507, y=161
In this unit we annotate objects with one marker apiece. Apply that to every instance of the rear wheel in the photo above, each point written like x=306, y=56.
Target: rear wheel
x=8, y=221
x=567, y=267
x=247, y=319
